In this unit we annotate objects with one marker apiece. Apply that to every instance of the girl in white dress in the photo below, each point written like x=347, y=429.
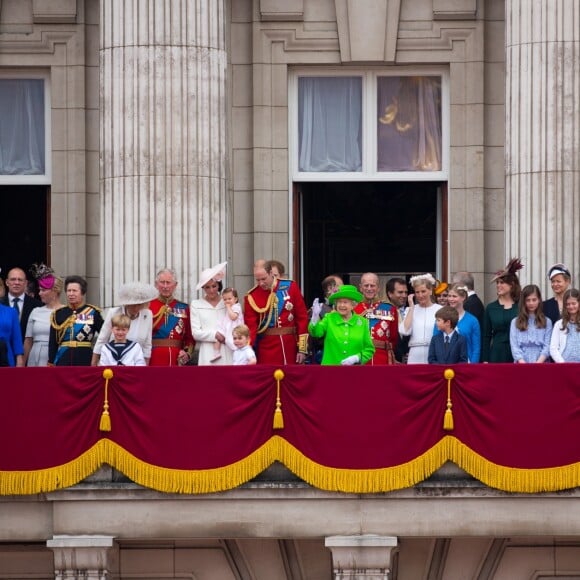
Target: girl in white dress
x=38, y=326
x=420, y=318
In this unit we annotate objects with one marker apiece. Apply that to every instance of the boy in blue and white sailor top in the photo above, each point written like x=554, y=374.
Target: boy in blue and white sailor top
x=120, y=351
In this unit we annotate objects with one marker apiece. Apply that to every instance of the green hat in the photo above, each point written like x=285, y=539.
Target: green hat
x=347, y=291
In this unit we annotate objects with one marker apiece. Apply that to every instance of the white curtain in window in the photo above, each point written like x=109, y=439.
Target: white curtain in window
x=22, y=127
x=329, y=123
x=409, y=124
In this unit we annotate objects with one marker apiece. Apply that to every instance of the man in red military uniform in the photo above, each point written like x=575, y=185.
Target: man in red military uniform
x=276, y=315
x=172, y=340
x=383, y=320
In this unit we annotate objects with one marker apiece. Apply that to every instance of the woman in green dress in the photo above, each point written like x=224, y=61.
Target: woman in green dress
x=347, y=338
x=495, y=344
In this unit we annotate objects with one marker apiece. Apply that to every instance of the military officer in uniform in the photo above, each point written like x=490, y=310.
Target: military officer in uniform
x=73, y=328
x=276, y=315
x=172, y=340
x=383, y=320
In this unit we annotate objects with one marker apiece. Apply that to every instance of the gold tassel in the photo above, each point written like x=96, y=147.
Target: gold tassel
x=278, y=417
x=105, y=424
x=448, y=418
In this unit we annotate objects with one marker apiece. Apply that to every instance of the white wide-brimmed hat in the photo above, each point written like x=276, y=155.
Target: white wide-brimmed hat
x=216, y=273
x=136, y=293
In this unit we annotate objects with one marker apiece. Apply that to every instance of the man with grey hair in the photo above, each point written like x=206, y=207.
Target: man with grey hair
x=172, y=340
x=473, y=304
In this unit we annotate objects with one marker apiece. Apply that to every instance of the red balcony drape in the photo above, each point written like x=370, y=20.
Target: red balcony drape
x=353, y=429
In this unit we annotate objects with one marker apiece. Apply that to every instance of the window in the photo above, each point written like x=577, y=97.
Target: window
x=409, y=124
x=329, y=123
x=24, y=143
x=370, y=125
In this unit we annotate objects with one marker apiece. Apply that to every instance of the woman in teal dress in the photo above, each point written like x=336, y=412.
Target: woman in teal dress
x=347, y=337
x=495, y=344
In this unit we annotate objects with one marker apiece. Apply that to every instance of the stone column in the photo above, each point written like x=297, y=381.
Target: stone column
x=163, y=140
x=365, y=557
x=85, y=557
x=543, y=135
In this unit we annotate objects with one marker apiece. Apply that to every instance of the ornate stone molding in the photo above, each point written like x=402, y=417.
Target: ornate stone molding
x=368, y=29
x=454, y=9
x=84, y=557
x=55, y=11
x=364, y=557
x=282, y=9
x=43, y=43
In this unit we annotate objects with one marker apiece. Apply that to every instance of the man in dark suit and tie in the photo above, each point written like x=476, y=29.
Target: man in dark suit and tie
x=473, y=304
x=16, y=297
x=447, y=347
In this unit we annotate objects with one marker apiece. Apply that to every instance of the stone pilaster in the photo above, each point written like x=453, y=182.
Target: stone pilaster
x=543, y=135
x=163, y=140
x=365, y=557
x=85, y=557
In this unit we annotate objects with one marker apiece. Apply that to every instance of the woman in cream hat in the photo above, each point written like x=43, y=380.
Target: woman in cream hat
x=560, y=280
x=347, y=337
x=206, y=314
x=135, y=298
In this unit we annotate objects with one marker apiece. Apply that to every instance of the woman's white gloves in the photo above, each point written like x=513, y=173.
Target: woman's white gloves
x=353, y=359
x=315, y=311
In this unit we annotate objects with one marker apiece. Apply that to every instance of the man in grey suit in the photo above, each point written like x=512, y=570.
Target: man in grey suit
x=16, y=297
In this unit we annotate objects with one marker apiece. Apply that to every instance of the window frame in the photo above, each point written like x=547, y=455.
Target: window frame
x=46, y=177
x=369, y=78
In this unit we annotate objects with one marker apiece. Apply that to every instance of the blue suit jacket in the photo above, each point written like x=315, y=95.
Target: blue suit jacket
x=456, y=352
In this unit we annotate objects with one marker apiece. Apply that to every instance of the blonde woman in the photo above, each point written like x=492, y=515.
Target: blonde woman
x=37, y=332
x=420, y=318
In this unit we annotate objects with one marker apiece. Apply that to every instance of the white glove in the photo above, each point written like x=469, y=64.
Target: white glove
x=353, y=359
x=315, y=311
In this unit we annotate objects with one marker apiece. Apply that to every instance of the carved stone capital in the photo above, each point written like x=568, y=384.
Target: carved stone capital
x=85, y=557
x=364, y=557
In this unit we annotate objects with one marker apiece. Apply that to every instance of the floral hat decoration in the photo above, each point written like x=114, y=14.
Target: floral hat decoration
x=44, y=275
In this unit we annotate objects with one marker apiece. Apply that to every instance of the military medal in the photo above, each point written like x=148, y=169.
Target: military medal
x=288, y=305
x=290, y=317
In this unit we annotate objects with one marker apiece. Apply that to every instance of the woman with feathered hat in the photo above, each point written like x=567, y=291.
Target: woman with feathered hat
x=50, y=287
x=495, y=343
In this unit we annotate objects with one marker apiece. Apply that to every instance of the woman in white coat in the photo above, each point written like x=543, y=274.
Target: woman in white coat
x=206, y=313
x=565, y=343
x=135, y=298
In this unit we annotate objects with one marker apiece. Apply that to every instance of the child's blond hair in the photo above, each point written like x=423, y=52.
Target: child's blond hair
x=120, y=321
x=241, y=330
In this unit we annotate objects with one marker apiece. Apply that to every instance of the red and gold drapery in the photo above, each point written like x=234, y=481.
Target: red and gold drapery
x=351, y=429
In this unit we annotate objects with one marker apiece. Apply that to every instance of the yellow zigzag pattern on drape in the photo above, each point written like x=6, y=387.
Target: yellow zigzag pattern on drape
x=277, y=449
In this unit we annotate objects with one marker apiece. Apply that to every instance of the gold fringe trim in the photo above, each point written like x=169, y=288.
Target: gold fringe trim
x=278, y=449
x=511, y=478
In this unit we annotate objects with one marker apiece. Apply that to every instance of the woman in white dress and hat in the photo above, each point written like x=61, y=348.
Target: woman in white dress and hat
x=135, y=298
x=206, y=314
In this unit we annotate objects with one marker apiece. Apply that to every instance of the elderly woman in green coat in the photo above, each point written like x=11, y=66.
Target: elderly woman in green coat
x=347, y=338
